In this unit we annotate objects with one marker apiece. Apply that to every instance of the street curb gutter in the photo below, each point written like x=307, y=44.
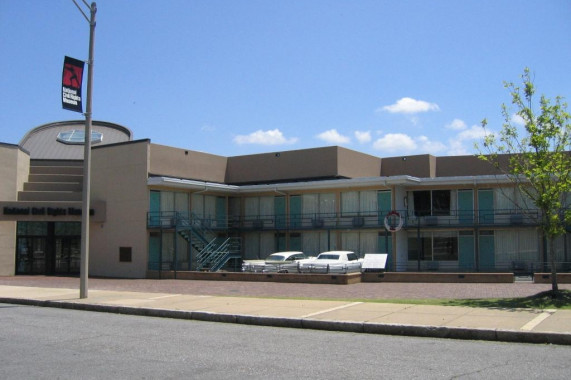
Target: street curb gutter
x=463, y=333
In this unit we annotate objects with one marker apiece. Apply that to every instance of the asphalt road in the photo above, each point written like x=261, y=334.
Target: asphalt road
x=45, y=343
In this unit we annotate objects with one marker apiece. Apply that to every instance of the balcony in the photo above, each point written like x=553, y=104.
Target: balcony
x=473, y=218
x=356, y=220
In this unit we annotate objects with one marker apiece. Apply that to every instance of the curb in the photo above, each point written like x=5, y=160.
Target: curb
x=462, y=333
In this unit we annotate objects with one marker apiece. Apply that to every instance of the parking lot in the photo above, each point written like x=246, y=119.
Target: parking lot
x=371, y=291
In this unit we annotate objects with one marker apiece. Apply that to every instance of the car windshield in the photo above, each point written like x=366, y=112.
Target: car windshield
x=275, y=258
x=328, y=257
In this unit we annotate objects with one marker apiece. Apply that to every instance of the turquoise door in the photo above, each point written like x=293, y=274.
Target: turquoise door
x=280, y=242
x=384, y=205
x=154, y=251
x=466, y=206
x=155, y=209
x=295, y=211
x=486, y=206
x=466, y=251
x=385, y=245
x=280, y=212
x=487, y=260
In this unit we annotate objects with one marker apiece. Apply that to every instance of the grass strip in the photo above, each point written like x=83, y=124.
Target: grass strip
x=541, y=301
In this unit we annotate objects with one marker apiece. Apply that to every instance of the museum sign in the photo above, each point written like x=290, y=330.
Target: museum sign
x=37, y=211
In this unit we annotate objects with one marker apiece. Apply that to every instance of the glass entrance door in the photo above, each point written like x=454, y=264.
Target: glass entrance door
x=67, y=255
x=31, y=255
x=48, y=248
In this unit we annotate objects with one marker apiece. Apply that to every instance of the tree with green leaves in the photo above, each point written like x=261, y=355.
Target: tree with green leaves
x=532, y=150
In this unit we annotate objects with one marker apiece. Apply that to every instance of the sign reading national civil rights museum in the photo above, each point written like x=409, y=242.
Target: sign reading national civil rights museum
x=33, y=211
x=71, y=84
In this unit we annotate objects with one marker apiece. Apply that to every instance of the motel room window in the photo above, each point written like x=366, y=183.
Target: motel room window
x=318, y=206
x=349, y=203
x=433, y=246
x=359, y=203
x=445, y=246
x=431, y=202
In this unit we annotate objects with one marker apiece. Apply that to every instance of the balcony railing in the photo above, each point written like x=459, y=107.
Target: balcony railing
x=352, y=220
x=523, y=267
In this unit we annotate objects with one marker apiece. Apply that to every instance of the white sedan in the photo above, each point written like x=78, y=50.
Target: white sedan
x=282, y=262
x=332, y=262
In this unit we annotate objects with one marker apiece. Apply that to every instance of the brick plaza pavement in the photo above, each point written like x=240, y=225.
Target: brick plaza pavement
x=370, y=291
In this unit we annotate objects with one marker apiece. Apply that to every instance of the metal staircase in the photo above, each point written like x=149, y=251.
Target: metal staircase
x=214, y=251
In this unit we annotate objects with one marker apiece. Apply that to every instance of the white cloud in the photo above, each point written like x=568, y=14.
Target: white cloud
x=475, y=132
x=428, y=146
x=333, y=137
x=363, y=137
x=395, y=142
x=270, y=137
x=410, y=105
x=456, y=125
x=460, y=144
x=463, y=142
x=518, y=120
x=457, y=148
x=403, y=143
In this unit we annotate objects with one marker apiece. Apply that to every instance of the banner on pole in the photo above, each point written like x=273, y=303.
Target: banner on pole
x=71, y=84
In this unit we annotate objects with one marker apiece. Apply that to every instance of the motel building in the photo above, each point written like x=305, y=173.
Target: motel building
x=158, y=209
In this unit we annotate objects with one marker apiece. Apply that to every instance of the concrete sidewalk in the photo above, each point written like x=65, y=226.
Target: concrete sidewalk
x=510, y=325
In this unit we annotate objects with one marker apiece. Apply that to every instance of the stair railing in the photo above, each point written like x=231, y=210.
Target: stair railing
x=213, y=253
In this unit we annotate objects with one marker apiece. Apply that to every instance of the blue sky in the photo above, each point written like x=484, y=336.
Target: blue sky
x=235, y=77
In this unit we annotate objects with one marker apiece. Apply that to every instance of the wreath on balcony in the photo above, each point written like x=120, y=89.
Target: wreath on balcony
x=390, y=224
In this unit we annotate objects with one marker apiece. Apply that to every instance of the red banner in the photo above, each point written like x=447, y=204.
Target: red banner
x=71, y=84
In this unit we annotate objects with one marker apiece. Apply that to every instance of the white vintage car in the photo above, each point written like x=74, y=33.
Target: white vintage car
x=332, y=262
x=282, y=262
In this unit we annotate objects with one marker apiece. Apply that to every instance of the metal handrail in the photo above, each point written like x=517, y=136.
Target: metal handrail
x=361, y=219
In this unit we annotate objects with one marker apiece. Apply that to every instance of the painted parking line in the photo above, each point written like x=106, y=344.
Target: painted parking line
x=332, y=309
x=537, y=320
x=167, y=296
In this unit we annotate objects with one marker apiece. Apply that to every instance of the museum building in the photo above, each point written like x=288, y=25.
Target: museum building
x=158, y=208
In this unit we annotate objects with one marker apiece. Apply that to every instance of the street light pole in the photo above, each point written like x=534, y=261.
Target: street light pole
x=84, y=267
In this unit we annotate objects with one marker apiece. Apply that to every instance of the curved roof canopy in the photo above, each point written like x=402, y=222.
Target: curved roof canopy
x=64, y=140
